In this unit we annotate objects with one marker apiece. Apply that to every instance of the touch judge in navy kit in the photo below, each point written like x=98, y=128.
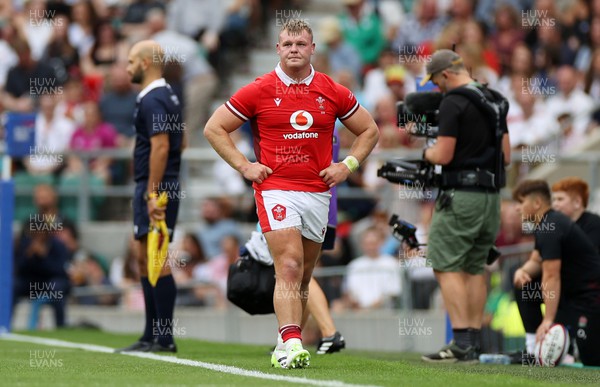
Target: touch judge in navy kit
x=157, y=157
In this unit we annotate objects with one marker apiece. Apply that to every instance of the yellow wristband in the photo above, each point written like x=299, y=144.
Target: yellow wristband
x=351, y=162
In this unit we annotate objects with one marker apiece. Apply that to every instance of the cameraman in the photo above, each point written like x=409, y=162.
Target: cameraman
x=466, y=218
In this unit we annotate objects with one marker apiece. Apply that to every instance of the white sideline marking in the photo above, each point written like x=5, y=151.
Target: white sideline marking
x=171, y=359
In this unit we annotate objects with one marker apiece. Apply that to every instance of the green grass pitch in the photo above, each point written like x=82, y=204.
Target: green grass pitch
x=29, y=364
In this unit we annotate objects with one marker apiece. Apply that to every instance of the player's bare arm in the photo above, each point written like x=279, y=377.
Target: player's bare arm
x=367, y=134
x=550, y=293
x=217, y=131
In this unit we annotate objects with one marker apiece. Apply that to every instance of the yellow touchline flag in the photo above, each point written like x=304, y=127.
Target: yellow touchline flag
x=158, y=243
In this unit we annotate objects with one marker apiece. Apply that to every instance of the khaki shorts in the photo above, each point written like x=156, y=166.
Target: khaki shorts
x=462, y=234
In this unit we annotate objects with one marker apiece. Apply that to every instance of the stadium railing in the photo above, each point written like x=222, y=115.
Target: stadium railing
x=510, y=255
x=196, y=178
x=493, y=340
x=196, y=175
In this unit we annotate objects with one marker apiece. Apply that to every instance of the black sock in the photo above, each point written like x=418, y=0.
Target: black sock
x=150, y=309
x=164, y=294
x=475, y=337
x=462, y=337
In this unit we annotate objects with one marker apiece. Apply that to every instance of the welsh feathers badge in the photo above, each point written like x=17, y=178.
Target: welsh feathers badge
x=278, y=212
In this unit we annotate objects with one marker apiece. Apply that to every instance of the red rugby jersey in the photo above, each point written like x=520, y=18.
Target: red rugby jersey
x=292, y=123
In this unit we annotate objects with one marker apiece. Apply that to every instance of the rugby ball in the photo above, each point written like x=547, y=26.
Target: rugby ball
x=552, y=349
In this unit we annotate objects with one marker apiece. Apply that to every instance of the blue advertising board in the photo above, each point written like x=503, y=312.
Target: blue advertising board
x=20, y=133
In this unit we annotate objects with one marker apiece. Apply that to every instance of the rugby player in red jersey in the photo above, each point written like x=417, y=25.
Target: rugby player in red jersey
x=292, y=111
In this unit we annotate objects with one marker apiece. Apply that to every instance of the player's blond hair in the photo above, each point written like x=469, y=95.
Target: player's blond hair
x=296, y=26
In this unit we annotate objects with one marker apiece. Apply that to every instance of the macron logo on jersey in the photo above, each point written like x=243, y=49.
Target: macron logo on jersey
x=301, y=120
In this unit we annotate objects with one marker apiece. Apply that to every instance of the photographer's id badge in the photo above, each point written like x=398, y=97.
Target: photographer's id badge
x=445, y=200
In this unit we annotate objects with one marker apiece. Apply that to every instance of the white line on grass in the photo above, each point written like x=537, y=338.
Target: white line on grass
x=171, y=359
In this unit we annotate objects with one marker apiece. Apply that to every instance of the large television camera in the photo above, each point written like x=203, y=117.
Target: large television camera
x=418, y=173
x=418, y=115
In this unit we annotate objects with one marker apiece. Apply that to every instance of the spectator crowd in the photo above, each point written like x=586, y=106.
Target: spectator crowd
x=64, y=63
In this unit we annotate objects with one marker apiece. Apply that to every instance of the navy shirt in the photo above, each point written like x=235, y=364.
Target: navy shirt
x=116, y=109
x=42, y=268
x=158, y=110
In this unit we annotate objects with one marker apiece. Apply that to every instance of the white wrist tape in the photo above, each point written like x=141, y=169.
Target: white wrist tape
x=352, y=163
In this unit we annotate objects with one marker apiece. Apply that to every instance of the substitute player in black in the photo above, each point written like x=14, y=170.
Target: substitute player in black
x=569, y=196
x=157, y=158
x=570, y=270
x=472, y=146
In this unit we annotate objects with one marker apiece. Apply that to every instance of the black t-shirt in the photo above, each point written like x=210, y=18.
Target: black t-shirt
x=136, y=12
x=158, y=111
x=473, y=130
x=590, y=224
x=41, y=79
x=557, y=237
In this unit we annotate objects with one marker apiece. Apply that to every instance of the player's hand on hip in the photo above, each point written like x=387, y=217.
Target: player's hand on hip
x=335, y=174
x=256, y=172
x=155, y=213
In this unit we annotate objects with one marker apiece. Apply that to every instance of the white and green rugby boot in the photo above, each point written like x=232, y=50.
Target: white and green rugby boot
x=279, y=356
x=297, y=356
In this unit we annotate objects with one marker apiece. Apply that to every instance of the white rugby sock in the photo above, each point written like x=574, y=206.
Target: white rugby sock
x=530, y=342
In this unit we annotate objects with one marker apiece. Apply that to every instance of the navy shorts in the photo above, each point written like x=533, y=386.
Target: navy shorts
x=141, y=221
